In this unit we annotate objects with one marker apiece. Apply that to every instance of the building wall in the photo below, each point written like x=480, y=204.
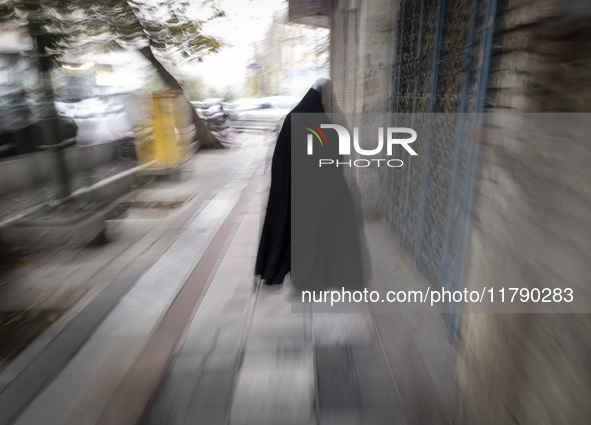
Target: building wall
x=362, y=45
x=361, y=51
x=532, y=226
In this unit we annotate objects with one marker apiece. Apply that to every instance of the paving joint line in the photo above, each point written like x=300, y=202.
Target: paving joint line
x=131, y=397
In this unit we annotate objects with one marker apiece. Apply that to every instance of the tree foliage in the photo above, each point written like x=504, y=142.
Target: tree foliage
x=172, y=29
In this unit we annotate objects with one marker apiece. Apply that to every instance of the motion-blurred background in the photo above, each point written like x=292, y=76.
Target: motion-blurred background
x=121, y=120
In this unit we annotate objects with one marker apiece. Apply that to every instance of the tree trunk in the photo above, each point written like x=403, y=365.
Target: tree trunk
x=205, y=137
x=48, y=119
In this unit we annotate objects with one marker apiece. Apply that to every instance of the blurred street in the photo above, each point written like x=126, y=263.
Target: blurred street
x=295, y=212
x=165, y=323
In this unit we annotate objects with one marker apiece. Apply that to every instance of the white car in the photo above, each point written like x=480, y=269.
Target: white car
x=265, y=113
x=99, y=120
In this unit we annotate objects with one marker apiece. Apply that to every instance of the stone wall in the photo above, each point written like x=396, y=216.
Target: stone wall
x=532, y=225
x=362, y=48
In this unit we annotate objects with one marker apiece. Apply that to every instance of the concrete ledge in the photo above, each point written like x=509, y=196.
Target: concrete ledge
x=110, y=188
x=32, y=169
x=48, y=231
x=67, y=224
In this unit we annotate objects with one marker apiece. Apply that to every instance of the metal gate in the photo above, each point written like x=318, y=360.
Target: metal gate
x=441, y=66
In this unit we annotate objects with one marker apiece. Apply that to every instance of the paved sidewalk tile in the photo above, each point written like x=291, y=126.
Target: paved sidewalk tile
x=245, y=356
x=266, y=364
x=78, y=393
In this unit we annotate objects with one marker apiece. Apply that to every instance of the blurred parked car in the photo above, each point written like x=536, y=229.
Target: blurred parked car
x=242, y=104
x=265, y=113
x=212, y=113
x=20, y=131
x=99, y=119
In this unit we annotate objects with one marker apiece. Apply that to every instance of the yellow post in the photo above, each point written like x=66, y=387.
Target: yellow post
x=167, y=144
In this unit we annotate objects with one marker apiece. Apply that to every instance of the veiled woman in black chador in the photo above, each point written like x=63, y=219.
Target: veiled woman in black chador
x=311, y=227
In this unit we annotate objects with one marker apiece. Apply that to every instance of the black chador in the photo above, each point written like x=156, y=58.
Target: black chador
x=311, y=227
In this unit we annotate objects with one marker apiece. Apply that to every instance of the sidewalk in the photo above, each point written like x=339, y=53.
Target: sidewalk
x=170, y=327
